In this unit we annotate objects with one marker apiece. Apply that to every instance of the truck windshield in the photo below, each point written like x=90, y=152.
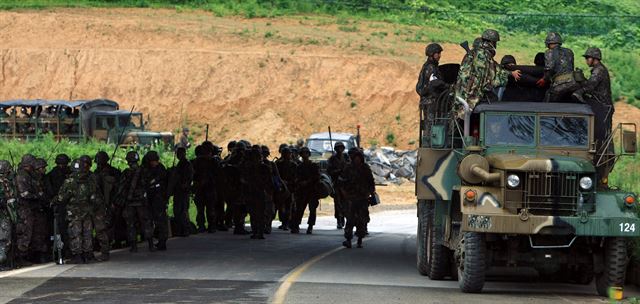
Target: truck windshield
x=513, y=130
x=135, y=122
x=558, y=131
x=324, y=145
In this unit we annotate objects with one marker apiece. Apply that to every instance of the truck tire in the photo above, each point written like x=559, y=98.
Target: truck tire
x=471, y=260
x=438, y=254
x=615, y=266
x=421, y=238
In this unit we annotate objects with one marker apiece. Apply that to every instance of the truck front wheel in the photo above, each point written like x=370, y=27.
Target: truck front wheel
x=471, y=260
x=615, y=265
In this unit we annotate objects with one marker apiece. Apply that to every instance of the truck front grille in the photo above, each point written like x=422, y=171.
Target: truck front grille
x=551, y=193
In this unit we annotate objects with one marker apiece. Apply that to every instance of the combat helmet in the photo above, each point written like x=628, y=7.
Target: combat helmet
x=85, y=163
x=338, y=144
x=593, y=52
x=491, y=35
x=432, y=48
x=28, y=160
x=40, y=163
x=132, y=157
x=553, y=37
x=62, y=159
x=102, y=157
x=5, y=167
x=304, y=150
x=152, y=156
x=508, y=59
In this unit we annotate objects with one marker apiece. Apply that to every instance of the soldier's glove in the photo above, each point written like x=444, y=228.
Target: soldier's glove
x=541, y=83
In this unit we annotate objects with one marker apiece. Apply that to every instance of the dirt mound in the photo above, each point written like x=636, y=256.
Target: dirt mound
x=268, y=81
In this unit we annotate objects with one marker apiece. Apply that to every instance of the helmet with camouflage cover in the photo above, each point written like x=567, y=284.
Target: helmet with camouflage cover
x=305, y=150
x=355, y=152
x=240, y=146
x=132, y=157
x=265, y=151
x=338, y=144
x=491, y=35
x=102, y=157
x=508, y=59
x=282, y=146
x=5, y=167
x=28, y=160
x=152, y=156
x=62, y=159
x=553, y=37
x=432, y=48
x=593, y=52
x=40, y=163
x=85, y=163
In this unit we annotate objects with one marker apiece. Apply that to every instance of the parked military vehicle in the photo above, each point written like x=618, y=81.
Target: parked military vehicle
x=515, y=185
x=100, y=119
x=321, y=145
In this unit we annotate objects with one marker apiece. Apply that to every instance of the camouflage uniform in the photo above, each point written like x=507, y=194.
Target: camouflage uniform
x=258, y=185
x=479, y=74
x=156, y=178
x=231, y=170
x=107, y=217
x=7, y=211
x=308, y=176
x=180, y=187
x=284, y=200
x=31, y=229
x=53, y=182
x=81, y=195
x=558, y=69
x=132, y=192
x=358, y=188
x=205, y=168
x=336, y=164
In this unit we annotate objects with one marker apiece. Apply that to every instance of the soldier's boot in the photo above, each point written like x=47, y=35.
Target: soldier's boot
x=201, y=229
x=89, y=258
x=340, y=224
x=347, y=243
x=211, y=229
x=295, y=229
x=152, y=248
x=359, y=242
x=134, y=246
x=310, y=229
x=76, y=259
x=162, y=245
x=21, y=261
x=104, y=257
x=267, y=229
x=222, y=227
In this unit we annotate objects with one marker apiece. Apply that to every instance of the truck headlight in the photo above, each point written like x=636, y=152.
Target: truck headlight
x=513, y=181
x=586, y=183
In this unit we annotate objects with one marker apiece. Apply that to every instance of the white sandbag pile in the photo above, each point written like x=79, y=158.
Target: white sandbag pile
x=391, y=166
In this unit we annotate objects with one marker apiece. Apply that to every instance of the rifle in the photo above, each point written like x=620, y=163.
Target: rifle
x=58, y=245
x=465, y=46
x=206, y=134
x=14, y=221
x=120, y=136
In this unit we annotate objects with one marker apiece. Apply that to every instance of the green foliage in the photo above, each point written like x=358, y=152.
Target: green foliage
x=390, y=138
x=349, y=29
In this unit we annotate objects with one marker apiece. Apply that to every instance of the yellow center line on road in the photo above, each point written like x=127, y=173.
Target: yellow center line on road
x=288, y=280
x=23, y=270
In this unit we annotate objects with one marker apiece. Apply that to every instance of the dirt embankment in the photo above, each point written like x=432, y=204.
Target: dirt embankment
x=265, y=80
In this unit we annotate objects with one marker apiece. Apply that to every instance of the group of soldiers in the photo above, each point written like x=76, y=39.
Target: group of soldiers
x=107, y=207
x=481, y=78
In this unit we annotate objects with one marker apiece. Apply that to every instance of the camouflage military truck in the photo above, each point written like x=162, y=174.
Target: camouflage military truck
x=100, y=119
x=321, y=145
x=514, y=186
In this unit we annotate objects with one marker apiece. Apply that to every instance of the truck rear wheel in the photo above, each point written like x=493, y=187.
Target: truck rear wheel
x=615, y=266
x=422, y=235
x=471, y=260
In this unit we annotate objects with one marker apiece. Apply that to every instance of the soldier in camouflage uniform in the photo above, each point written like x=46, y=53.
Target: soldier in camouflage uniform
x=430, y=85
x=269, y=208
x=7, y=209
x=597, y=90
x=232, y=170
x=30, y=229
x=284, y=199
x=133, y=195
x=81, y=195
x=358, y=189
x=308, y=176
x=205, y=168
x=180, y=188
x=480, y=74
x=558, y=69
x=258, y=185
x=107, y=219
x=336, y=164
x=53, y=181
x=156, y=180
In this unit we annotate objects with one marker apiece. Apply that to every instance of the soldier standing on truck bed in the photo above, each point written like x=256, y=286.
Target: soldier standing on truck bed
x=598, y=87
x=479, y=73
x=429, y=86
x=558, y=69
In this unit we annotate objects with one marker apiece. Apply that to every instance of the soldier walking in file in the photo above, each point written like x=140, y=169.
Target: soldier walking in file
x=358, y=188
x=107, y=219
x=132, y=192
x=597, y=89
x=7, y=210
x=80, y=194
x=336, y=164
x=276, y=181
x=234, y=196
x=205, y=169
x=558, y=69
x=31, y=197
x=258, y=184
x=156, y=178
x=53, y=181
x=308, y=176
x=284, y=199
x=180, y=186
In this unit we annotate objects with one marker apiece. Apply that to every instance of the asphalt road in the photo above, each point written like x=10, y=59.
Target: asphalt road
x=285, y=268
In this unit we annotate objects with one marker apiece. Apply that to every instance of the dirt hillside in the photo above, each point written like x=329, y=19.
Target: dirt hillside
x=266, y=80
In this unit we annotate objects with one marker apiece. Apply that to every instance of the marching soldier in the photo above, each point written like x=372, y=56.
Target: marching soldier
x=258, y=185
x=358, y=188
x=132, y=192
x=53, y=181
x=81, y=195
x=156, y=178
x=284, y=199
x=7, y=209
x=336, y=164
x=308, y=176
x=180, y=186
x=31, y=197
x=270, y=209
x=205, y=169
x=232, y=170
x=107, y=219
